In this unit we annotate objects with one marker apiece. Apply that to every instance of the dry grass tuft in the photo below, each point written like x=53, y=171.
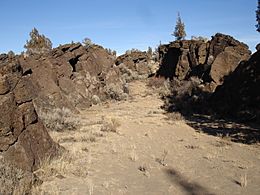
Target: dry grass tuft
x=243, y=180
x=161, y=160
x=63, y=165
x=133, y=155
x=111, y=125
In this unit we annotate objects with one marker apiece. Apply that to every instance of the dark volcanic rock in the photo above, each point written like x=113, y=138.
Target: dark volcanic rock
x=179, y=58
x=24, y=141
x=239, y=96
x=210, y=61
x=136, y=61
x=228, y=53
x=69, y=76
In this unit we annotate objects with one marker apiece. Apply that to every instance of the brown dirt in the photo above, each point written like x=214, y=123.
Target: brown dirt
x=143, y=152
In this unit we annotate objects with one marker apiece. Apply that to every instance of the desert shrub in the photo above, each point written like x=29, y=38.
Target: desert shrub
x=127, y=74
x=160, y=84
x=59, y=119
x=116, y=91
x=13, y=180
x=186, y=97
x=110, y=125
x=156, y=82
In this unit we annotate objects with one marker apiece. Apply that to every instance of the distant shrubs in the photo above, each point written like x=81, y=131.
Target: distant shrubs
x=38, y=44
x=132, y=51
x=111, y=52
x=199, y=38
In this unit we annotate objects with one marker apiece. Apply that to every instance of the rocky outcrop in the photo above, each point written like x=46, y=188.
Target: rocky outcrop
x=70, y=77
x=136, y=63
x=227, y=54
x=210, y=61
x=24, y=141
x=74, y=77
x=239, y=96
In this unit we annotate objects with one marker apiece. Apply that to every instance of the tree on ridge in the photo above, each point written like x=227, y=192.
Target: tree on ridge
x=179, y=31
x=38, y=44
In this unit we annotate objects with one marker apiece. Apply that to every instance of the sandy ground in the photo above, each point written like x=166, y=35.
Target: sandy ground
x=131, y=147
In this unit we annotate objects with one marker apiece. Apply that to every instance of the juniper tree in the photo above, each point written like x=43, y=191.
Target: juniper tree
x=179, y=31
x=38, y=44
x=258, y=17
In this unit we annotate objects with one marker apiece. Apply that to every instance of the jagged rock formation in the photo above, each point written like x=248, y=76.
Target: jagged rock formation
x=24, y=141
x=210, y=61
x=135, y=61
x=239, y=96
x=136, y=65
x=71, y=76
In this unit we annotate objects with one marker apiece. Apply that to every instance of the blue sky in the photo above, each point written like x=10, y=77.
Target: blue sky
x=122, y=25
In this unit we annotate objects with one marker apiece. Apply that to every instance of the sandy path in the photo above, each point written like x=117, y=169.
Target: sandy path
x=149, y=154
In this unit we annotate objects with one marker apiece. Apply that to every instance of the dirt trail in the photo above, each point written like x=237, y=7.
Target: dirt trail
x=148, y=154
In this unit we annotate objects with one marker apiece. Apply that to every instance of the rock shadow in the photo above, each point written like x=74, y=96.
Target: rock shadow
x=191, y=188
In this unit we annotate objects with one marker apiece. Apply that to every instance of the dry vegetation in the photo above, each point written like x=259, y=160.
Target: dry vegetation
x=131, y=147
x=59, y=119
x=13, y=180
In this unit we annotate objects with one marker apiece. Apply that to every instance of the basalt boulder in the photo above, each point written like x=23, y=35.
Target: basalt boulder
x=24, y=141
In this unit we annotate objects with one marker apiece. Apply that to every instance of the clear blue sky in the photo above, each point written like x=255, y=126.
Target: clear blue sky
x=122, y=25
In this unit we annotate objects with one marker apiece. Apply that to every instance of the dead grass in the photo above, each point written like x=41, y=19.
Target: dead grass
x=243, y=180
x=133, y=155
x=64, y=165
x=13, y=180
x=161, y=160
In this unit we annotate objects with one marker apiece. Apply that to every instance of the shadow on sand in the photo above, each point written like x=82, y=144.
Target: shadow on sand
x=191, y=188
x=235, y=131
